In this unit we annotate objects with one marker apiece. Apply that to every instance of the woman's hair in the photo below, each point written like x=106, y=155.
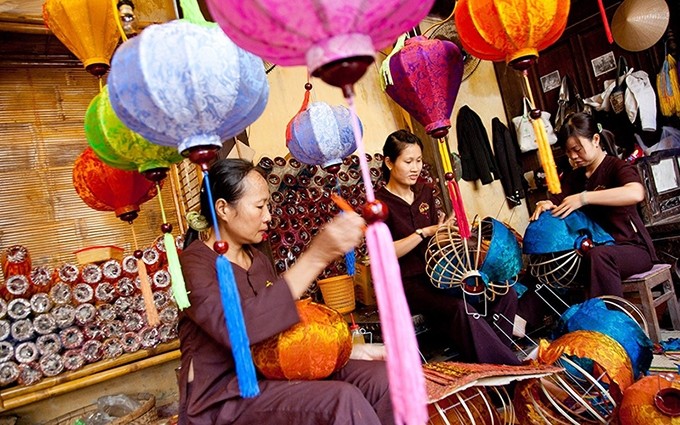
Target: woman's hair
x=395, y=145
x=584, y=125
x=226, y=178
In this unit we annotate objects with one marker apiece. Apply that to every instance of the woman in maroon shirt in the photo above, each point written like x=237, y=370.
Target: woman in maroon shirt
x=412, y=221
x=608, y=191
x=358, y=394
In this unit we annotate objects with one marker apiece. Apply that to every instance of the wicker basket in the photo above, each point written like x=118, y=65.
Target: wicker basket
x=338, y=293
x=144, y=415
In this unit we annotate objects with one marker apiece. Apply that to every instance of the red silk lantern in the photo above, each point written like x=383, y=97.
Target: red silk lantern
x=105, y=188
x=509, y=29
x=426, y=76
x=312, y=349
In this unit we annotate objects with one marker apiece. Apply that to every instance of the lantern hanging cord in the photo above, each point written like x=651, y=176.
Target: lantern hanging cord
x=134, y=236
x=160, y=201
x=440, y=23
x=208, y=191
x=118, y=24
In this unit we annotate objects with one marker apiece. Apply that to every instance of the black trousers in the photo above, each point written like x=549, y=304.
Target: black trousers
x=608, y=265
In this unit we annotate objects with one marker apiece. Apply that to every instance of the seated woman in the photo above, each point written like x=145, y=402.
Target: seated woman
x=209, y=394
x=608, y=190
x=412, y=220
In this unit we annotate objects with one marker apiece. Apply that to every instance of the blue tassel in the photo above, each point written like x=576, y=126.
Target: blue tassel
x=350, y=259
x=233, y=315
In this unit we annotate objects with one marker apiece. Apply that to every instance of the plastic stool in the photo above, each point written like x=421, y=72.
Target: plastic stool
x=645, y=287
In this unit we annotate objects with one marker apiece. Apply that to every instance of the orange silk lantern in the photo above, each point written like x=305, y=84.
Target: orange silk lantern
x=87, y=28
x=317, y=346
x=639, y=405
x=515, y=31
x=105, y=188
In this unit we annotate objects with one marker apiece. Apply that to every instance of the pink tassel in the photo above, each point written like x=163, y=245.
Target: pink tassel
x=459, y=209
x=404, y=370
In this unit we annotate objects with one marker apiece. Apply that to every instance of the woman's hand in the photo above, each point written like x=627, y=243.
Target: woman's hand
x=569, y=204
x=541, y=206
x=368, y=352
x=338, y=236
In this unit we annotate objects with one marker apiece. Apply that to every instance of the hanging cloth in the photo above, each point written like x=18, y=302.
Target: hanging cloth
x=509, y=169
x=473, y=145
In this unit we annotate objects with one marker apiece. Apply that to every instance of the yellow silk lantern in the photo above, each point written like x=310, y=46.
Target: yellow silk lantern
x=87, y=28
x=317, y=346
x=515, y=31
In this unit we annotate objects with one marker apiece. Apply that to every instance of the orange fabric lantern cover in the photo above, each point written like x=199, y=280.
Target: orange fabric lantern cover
x=317, y=346
x=603, y=350
x=87, y=28
x=509, y=29
x=638, y=405
x=105, y=188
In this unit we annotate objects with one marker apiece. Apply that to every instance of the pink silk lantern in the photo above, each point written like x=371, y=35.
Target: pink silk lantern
x=337, y=41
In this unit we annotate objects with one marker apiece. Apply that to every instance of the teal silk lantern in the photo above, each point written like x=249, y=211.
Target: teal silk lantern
x=187, y=85
x=118, y=146
x=322, y=135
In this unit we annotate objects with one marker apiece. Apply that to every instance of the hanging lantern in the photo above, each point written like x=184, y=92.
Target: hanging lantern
x=314, y=348
x=105, y=188
x=118, y=146
x=424, y=78
x=186, y=85
x=515, y=31
x=322, y=135
x=87, y=28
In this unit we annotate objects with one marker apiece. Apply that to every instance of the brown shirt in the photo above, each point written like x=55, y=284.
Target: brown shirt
x=624, y=224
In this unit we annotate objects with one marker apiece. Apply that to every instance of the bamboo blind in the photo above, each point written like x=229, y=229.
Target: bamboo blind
x=41, y=133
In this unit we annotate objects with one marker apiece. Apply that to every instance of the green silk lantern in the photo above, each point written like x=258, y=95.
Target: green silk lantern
x=118, y=146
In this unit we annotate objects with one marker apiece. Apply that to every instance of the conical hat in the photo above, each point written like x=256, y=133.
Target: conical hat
x=639, y=24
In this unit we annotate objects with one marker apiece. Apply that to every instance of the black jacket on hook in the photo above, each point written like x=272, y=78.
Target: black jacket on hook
x=473, y=145
x=508, y=166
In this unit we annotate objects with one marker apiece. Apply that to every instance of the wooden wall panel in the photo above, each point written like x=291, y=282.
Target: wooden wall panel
x=41, y=133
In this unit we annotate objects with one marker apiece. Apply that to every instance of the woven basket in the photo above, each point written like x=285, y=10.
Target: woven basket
x=338, y=293
x=144, y=415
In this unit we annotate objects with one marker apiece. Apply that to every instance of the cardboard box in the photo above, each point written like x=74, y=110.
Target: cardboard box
x=363, y=284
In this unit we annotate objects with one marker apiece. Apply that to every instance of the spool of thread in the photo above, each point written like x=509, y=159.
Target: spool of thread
x=105, y=292
x=60, y=293
x=64, y=315
x=41, y=303
x=71, y=337
x=113, y=329
x=125, y=287
x=92, y=350
x=112, y=270
x=73, y=359
x=44, y=324
x=131, y=342
x=48, y=344
x=150, y=337
x=42, y=279
x=106, y=312
x=9, y=372
x=29, y=373
x=22, y=330
x=91, y=274
x=26, y=352
x=112, y=348
x=122, y=305
x=51, y=364
x=133, y=321
x=19, y=308
x=69, y=273
x=83, y=293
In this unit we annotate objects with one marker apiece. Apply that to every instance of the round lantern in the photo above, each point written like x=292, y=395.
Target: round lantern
x=341, y=38
x=186, y=85
x=105, y=188
x=498, y=30
x=316, y=347
x=641, y=401
x=322, y=135
x=425, y=77
x=117, y=145
x=87, y=28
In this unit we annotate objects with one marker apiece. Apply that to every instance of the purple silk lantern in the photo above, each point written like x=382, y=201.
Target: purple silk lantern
x=426, y=75
x=322, y=135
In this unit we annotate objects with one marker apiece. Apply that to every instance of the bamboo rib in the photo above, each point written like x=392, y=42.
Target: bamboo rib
x=88, y=380
x=10, y=394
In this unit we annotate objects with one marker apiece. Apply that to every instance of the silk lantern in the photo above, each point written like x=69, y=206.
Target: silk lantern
x=641, y=401
x=207, y=90
x=425, y=76
x=314, y=348
x=515, y=31
x=120, y=147
x=322, y=135
x=105, y=188
x=87, y=28
x=337, y=42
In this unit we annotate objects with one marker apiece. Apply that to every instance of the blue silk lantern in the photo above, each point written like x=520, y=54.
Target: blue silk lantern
x=593, y=315
x=322, y=135
x=185, y=84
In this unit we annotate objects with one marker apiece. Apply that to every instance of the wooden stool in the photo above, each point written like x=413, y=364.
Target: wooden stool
x=642, y=286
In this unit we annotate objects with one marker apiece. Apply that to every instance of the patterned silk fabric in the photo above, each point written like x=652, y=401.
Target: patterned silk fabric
x=551, y=234
x=186, y=85
x=118, y=146
x=426, y=75
x=638, y=405
x=313, y=349
x=509, y=29
x=105, y=188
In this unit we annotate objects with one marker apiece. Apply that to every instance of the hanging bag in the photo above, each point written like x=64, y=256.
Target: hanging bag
x=526, y=138
x=618, y=95
x=568, y=102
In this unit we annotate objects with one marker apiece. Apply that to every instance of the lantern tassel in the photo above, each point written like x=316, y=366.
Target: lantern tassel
x=385, y=73
x=407, y=383
x=305, y=103
x=233, y=313
x=147, y=294
x=605, y=22
x=454, y=192
x=179, y=290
